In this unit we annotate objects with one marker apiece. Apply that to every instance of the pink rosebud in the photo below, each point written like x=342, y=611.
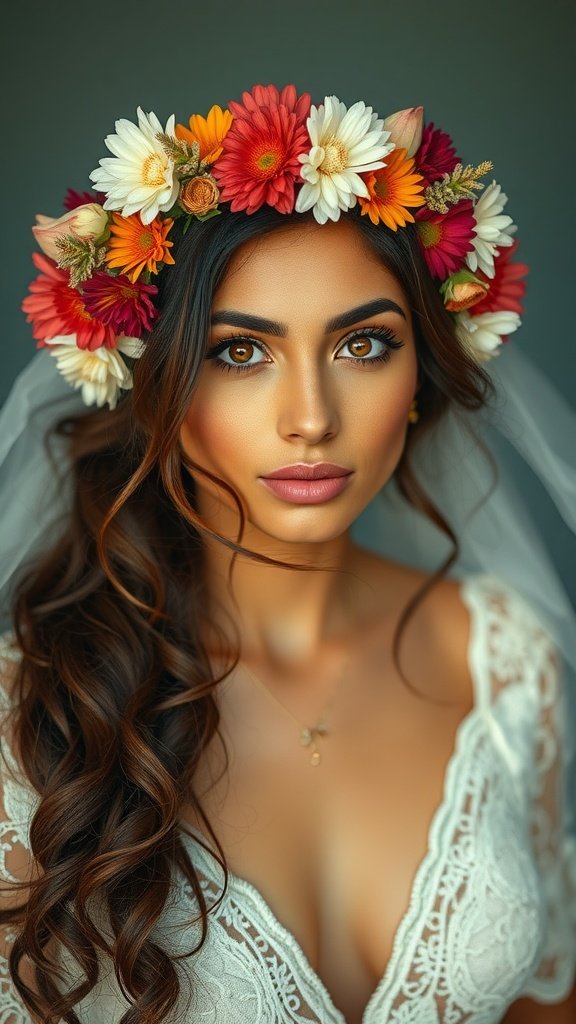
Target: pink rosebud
x=405, y=127
x=85, y=222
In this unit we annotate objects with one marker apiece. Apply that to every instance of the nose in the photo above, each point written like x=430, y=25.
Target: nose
x=308, y=406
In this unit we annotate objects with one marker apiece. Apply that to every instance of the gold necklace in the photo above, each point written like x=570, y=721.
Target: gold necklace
x=308, y=733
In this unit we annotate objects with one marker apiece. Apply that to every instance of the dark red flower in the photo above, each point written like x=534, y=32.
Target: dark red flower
x=445, y=238
x=436, y=155
x=125, y=305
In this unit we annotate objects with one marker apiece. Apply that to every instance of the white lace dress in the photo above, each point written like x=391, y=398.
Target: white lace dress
x=492, y=915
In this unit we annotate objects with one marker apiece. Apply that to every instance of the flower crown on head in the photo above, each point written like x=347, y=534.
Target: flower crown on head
x=95, y=294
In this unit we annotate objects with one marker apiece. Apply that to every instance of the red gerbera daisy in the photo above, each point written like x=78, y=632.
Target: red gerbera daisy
x=73, y=199
x=436, y=155
x=259, y=161
x=126, y=306
x=506, y=288
x=56, y=309
x=445, y=238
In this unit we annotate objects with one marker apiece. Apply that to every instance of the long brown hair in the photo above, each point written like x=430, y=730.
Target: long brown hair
x=112, y=699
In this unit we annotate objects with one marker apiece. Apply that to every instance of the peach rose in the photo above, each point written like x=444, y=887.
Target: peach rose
x=86, y=223
x=465, y=296
x=199, y=195
x=462, y=290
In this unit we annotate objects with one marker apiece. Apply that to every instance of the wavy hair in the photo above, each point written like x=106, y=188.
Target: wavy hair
x=113, y=697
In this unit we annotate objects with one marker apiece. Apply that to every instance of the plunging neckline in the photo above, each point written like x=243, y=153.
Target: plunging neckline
x=462, y=746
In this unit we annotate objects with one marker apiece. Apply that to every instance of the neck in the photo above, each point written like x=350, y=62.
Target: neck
x=286, y=618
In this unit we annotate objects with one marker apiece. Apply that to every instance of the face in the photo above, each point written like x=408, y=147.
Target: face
x=300, y=387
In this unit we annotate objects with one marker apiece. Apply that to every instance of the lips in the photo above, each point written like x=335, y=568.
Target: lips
x=305, y=471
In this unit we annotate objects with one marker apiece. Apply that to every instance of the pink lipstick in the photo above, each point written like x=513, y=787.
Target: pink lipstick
x=306, y=484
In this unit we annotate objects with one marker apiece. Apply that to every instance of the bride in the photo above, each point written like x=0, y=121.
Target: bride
x=255, y=769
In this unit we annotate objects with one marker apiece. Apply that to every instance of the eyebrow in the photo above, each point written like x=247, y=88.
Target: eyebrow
x=258, y=323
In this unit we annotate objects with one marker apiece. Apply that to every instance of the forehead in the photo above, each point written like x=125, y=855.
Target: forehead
x=315, y=269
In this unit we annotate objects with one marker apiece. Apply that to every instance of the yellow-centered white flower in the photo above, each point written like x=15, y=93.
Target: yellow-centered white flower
x=344, y=144
x=482, y=335
x=101, y=373
x=493, y=229
x=140, y=177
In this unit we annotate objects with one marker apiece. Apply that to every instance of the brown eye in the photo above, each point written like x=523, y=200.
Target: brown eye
x=241, y=352
x=370, y=346
x=236, y=354
x=360, y=346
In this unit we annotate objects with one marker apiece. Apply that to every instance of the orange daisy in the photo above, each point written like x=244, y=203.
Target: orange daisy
x=392, y=188
x=134, y=246
x=207, y=131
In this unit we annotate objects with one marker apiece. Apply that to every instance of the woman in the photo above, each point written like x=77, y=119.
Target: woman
x=266, y=773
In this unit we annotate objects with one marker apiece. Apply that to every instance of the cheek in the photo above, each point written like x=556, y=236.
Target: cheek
x=383, y=424
x=385, y=412
x=386, y=440
x=212, y=431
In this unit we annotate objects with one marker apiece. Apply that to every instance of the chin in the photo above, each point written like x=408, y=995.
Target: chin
x=302, y=531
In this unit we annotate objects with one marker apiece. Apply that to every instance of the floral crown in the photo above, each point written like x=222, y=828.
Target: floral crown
x=95, y=295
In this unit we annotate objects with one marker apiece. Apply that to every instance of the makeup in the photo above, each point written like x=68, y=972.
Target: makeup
x=307, y=492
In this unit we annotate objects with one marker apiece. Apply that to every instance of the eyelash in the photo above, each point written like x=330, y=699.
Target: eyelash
x=383, y=334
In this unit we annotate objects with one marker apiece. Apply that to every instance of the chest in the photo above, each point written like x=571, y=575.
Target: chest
x=333, y=849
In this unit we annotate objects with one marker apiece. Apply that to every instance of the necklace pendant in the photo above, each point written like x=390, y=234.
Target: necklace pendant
x=306, y=737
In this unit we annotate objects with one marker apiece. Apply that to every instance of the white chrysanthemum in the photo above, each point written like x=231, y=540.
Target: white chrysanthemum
x=139, y=178
x=493, y=229
x=482, y=335
x=100, y=373
x=344, y=143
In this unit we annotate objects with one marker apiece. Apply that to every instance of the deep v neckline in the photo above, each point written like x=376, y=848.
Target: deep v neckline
x=446, y=809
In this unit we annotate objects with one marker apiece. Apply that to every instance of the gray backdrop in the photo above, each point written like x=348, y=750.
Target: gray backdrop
x=496, y=75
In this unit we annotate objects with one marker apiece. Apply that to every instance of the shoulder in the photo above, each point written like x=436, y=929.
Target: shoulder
x=472, y=633
x=494, y=652
x=514, y=665
x=446, y=631
x=510, y=637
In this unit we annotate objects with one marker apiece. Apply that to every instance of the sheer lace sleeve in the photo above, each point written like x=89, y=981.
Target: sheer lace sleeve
x=554, y=846
x=529, y=701
x=16, y=808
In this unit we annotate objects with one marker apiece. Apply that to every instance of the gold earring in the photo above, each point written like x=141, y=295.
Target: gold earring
x=413, y=415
